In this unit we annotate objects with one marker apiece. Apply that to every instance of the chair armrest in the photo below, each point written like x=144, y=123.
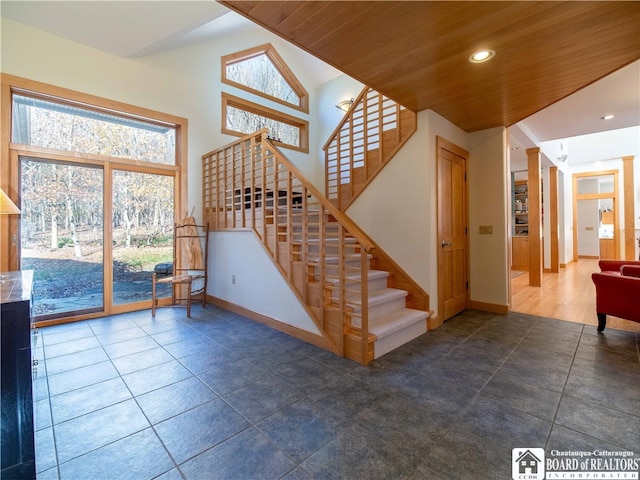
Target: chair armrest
x=630, y=271
x=617, y=295
x=615, y=265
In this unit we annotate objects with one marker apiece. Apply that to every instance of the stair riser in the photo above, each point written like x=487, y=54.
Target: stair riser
x=380, y=310
x=332, y=269
x=331, y=250
x=312, y=221
x=353, y=288
x=398, y=338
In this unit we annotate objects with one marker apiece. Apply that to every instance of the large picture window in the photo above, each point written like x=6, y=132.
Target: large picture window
x=99, y=184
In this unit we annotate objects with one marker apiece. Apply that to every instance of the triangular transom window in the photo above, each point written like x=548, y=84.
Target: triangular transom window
x=261, y=71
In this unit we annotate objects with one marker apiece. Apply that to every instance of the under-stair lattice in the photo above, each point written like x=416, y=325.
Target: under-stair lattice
x=323, y=255
x=371, y=132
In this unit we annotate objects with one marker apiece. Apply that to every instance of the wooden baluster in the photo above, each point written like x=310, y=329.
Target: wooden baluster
x=364, y=299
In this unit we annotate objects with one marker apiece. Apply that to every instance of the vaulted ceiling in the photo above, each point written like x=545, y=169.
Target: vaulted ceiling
x=416, y=52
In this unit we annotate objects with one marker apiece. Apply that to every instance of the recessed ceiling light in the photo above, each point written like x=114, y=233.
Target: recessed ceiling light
x=608, y=117
x=482, y=56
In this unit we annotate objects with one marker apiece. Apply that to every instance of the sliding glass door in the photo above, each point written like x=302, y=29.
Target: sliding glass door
x=142, y=234
x=62, y=236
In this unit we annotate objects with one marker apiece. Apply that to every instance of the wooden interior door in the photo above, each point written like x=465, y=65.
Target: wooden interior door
x=453, y=269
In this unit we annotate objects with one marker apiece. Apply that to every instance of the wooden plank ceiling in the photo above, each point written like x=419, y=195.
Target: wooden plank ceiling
x=417, y=52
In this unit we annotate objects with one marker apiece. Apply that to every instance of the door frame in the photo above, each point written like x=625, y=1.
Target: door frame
x=615, y=195
x=444, y=145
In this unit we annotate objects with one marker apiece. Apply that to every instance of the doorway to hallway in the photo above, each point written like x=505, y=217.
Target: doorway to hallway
x=568, y=295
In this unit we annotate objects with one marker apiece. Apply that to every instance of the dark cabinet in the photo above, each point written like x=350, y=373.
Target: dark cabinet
x=17, y=450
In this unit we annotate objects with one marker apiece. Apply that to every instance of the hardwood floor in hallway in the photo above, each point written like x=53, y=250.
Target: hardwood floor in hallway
x=568, y=295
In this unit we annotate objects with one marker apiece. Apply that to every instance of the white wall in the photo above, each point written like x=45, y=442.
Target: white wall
x=565, y=216
x=489, y=193
x=259, y=286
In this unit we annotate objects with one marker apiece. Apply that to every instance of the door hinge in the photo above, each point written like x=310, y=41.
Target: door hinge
x=465, y=231
x=465, y=176
x=467, y=285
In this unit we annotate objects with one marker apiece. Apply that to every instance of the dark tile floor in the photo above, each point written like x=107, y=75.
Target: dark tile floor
x=220, y=396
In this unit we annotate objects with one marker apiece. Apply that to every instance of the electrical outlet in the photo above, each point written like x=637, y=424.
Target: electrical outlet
x=486, y=229
x=233, y=279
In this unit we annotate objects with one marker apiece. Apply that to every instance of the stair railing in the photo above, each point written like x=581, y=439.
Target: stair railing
x=249, y=184
x=372, y=131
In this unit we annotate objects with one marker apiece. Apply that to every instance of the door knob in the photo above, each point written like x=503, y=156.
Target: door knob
x=446, y=244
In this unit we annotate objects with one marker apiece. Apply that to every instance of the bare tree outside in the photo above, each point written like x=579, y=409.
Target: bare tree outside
x=142, y=233
x=60, y=127
x=62, y=235
x=247, y=122
x=259, y=73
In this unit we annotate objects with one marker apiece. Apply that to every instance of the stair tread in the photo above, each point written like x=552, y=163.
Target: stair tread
x=378, y=297
x=397, y=320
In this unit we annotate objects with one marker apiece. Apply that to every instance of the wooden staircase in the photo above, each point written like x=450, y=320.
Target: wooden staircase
x=323, y=255
x=371, y=132
x=390, y=322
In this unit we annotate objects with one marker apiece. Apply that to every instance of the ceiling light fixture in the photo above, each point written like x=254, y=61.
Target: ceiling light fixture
x=345, y=105
x=608, y=117
x=482, y=56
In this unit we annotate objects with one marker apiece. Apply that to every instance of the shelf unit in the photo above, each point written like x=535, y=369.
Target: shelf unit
x=520, y=222
x=520, y=208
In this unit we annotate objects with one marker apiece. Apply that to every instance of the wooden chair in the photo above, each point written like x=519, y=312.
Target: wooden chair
x=188, y=277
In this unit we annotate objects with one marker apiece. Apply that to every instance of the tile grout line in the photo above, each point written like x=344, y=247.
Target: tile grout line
x=464, y=410
x=564, y=386
x=53, y=432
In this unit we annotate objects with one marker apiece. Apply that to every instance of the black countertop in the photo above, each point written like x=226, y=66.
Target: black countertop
x=16, y=286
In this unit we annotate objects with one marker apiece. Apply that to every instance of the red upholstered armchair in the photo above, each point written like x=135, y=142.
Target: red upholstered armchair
x=617, y=290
